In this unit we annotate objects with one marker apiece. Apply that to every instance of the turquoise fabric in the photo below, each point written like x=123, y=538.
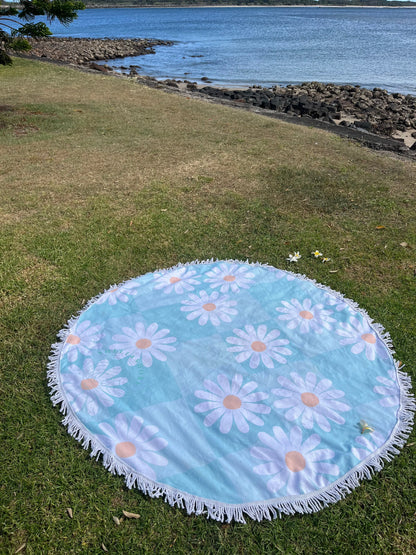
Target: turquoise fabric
x=230, y=382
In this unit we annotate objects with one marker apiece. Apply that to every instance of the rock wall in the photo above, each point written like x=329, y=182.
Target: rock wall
x=375, y=111
x=81, y=51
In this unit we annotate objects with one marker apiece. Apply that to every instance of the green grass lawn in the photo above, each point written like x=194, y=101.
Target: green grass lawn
x=102, y=180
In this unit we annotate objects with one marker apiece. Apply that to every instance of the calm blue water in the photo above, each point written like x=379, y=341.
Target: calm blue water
x=243, y=46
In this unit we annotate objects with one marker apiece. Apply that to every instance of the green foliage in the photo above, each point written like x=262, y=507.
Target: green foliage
x=13, y=31
x=21, y=44
x=31, y=30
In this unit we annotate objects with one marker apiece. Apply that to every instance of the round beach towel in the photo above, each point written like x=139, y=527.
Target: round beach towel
x=232, y=389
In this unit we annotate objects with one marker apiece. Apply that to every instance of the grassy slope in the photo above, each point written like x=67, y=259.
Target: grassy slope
x=102, y=180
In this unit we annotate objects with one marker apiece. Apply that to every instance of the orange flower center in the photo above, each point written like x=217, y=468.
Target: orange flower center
x=295, y=461
x=229, y=278
x=89, y=384
x=306, y=314
x=143, y=343
x=369, y=338
x=258, y=346
x=309, y=399
x=73, y=339
x=209, y=307
x=232, y=402
x=174, y=279
x=125, y=449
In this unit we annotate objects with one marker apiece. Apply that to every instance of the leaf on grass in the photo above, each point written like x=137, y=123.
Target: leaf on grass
x=333, y=271
x=103, y=547
x=130, y=515
x=20, y=548
x=116, y=520
x=380, y=227
x=404, y=244
x=69, y=511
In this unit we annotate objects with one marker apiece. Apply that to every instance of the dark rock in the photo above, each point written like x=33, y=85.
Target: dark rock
x=98, y=67
x=363, y=124
x=171, y=83
x=346, y=123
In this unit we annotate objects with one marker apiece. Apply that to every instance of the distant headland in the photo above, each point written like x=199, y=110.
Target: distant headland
x=248, y=3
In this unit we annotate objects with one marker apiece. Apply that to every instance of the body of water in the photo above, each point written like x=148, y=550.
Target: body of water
x=372, y=47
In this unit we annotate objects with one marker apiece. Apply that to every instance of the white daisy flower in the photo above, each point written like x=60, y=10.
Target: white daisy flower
x=325, y=259
x=232, y=403
x=366, y=444
x=119, y=294
x=293, y=258
x=178, y=280
x=305, y=316
x=142, y=343
x=258, y=346
x=316, y=254
x=230, y=276
x=296, y=465
x=309, y=400
x=84, y=338
x=134, y=444
x=212, y=308
x=389, y=389
x=362, y=337
x=90, y=387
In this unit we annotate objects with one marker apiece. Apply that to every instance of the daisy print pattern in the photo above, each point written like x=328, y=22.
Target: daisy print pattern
x=336, y=303
x=134, y=443
x=258, y=346
x=209, y=308
x=305, y=316
x=119, y=294
x=389, y=389
x=366, y=444
x=84, y=338
x=178, y=281
x=143, y=344
x=232, y=403
x=230, y=277
x=362, y=337
x=90, y=387
x=280, y=274
x=310, y=400
x=293, y=463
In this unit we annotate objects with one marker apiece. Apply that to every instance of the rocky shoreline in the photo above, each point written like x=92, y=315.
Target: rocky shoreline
x=80, y=51
x=348, y=110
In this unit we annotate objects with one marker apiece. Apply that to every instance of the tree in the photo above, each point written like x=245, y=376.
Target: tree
x=17, y=24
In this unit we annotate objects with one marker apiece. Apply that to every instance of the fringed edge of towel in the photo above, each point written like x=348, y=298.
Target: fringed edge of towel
x=271, y=508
